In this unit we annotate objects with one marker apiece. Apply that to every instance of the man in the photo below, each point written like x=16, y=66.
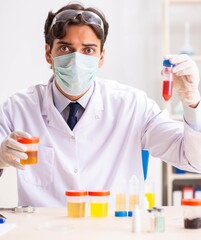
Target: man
x=89, y=144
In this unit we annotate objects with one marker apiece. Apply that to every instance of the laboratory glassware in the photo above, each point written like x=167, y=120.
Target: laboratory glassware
x=120, y=198
x=167, y=79
x=32, y=150
x=76, y=203
x=99, y=203
x=191, y=213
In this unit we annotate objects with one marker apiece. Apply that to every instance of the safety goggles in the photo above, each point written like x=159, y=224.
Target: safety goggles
x=88, y=17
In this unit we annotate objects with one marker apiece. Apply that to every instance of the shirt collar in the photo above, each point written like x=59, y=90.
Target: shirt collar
x=61, y=102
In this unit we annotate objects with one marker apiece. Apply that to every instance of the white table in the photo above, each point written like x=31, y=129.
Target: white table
x=52, y=223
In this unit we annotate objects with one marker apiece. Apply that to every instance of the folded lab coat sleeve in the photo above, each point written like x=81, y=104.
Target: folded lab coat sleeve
x=192, y=117
x=175, y=142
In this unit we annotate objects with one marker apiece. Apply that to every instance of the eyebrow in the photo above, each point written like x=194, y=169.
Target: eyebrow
x=83, y=44
x=90, y=45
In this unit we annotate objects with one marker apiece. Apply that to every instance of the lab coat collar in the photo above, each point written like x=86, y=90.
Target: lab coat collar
x=92, y=112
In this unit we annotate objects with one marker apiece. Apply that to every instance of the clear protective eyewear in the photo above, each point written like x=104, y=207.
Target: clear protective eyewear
x=69, y=14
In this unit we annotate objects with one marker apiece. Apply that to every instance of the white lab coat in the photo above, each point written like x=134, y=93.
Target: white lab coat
x=106, y=143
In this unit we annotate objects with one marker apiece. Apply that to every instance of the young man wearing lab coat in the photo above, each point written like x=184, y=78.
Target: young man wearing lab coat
x=112, y=124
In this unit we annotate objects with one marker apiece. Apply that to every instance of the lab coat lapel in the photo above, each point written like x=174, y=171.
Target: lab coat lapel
x=93, y=110
x=49, y=112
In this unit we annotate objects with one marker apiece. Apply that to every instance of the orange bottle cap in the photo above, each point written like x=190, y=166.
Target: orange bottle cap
x=99, y=193
x=75, y=193
x=191, y=202
x=28, y=140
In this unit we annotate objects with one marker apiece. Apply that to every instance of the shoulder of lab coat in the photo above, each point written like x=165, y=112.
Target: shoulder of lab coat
x=118, y=94
x=24, y=101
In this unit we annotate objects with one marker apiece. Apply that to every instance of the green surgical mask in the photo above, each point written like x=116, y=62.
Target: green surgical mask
x=75, y=72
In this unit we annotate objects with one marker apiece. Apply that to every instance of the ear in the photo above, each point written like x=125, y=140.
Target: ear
x=48, y=54
x=101, y=61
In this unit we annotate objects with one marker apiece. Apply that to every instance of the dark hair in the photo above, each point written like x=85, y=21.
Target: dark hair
x=60, y=28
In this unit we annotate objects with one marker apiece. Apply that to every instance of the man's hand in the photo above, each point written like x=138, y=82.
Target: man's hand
x=11, y=150
x=185, y=79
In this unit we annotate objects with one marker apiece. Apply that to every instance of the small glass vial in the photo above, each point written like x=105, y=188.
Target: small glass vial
x=76, y=203
x=191, y=213
x=152, y=220
x=167, y=79
x=99, y=203
x=32, y=150
x=160, y=220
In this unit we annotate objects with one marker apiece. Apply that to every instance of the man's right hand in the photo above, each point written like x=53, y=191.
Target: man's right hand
x=11, y=150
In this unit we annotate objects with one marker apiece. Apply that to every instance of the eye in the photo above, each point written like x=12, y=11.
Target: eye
x=89, y=51
x=65, y=49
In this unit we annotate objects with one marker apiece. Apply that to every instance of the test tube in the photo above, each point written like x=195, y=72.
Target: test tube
x=133, y=194
x=167, y=79
x=120, y=198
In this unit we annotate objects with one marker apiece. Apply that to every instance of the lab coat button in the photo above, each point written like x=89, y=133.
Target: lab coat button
x=75, y=170
x=73, y=137
x=97, y=117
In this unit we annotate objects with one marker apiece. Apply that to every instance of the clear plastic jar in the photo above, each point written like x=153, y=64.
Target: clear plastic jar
x=191, y=213
x=76, y=203
x=32, y=150
x=99, y=203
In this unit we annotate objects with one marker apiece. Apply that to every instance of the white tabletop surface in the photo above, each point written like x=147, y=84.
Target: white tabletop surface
x=52, y=223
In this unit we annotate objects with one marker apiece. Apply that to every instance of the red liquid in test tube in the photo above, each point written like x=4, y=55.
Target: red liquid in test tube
x=167, y=89
x=167, y=80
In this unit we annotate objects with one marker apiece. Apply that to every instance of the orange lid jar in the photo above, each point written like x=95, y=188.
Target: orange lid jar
x=76, y=203
x=32, y=150
x=191, y=213
x=99, y=203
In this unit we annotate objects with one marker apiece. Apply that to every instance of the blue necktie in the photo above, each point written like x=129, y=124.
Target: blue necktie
x=72, y=119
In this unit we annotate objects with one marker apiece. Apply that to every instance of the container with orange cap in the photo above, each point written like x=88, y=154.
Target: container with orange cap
x=32, y=150
x=76, y=203
x=191, y=213
x=99, y=203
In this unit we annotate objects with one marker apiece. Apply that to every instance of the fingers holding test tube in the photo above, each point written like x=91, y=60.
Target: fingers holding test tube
x=185, y=76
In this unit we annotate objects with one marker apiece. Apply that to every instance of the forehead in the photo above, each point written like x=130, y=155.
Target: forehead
x=76, y=33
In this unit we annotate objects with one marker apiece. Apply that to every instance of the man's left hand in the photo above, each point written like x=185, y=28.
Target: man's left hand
x=185, y=79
